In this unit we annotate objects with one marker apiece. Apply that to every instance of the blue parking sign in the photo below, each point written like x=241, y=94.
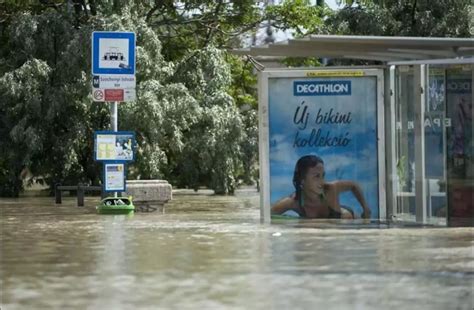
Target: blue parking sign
x=113, y=53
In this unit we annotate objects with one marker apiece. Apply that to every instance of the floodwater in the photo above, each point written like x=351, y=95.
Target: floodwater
x=210, y=252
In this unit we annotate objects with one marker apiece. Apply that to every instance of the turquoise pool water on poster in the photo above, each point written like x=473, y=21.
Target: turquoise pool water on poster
x=333, y=118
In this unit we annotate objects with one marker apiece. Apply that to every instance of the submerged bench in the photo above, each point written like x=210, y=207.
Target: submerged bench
x=148, y=195
x=80, y=189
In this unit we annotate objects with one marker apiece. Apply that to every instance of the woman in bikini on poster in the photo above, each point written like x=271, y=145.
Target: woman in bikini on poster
x=316, y=198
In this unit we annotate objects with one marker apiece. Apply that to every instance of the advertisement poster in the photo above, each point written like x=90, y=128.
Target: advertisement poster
x=434, y=126
x=460, y=145
x=114, y=146
x=459, y=103
x=114, y=177
x=332, y=119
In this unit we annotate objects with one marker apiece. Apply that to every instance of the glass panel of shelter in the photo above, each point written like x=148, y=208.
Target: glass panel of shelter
x=436, y=125
x=460, y=144
x=404, y=144
x=448, y=143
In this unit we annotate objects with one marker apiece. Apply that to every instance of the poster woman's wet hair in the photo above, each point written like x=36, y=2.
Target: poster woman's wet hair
x=301, y=168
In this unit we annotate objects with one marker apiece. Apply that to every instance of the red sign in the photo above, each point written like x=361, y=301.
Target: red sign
x=113, y=95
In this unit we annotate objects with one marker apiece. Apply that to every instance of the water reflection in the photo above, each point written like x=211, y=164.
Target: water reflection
x=213, y=253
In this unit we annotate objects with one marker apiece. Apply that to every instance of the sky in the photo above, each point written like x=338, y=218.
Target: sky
x=332, y=4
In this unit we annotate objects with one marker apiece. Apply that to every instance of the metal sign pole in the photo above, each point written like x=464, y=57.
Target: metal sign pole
x=113, y=81
x=114, y=115
x=114, y=121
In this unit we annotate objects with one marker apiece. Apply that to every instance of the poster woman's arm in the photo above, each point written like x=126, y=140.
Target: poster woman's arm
x=344, y=186
x=282, y=205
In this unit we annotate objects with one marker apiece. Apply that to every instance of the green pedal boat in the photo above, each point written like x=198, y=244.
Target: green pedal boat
x=116, y=205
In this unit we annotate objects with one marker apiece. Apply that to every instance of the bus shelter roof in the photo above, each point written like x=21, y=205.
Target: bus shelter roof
x=379, y=48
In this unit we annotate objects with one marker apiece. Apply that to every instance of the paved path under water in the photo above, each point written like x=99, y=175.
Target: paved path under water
x=209, y=252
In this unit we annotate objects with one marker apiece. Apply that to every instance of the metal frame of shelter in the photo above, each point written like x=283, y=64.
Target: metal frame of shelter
x=417, y=53
x=386, y=49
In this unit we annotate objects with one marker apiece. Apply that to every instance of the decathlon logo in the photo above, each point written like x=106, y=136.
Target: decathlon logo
x=459, y=86
x=322, y=88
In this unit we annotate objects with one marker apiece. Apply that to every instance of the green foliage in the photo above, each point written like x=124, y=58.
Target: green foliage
x=195, y=114
x=299, y=16
x=190, y=25
x=207, y=76
x=444, y=18
x=45, y=95
x=244, y=92
x=243, y=87
x=249, y=147
x=402, y=172
x=161, y=117
x=21, y=91
x=204, y=72
x=349, y=3
x=301, y=62
x=189, y=129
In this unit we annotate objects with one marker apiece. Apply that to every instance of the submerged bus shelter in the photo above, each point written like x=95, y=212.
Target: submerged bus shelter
x=401, y=129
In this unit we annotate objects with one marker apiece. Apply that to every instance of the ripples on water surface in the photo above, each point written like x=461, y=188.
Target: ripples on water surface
x=209, y=252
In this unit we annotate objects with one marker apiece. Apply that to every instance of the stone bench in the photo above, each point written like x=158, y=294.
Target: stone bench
x=149, y=195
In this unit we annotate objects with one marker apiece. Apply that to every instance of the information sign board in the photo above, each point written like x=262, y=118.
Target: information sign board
x=113, y=66
x=113, y=53
x=114, y=177
x=114, y=145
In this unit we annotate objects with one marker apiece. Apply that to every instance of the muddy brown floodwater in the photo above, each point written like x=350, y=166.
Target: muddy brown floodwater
x=211, y=252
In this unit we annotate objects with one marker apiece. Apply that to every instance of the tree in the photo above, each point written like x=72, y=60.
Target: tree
x=444, y=18
x=44, y=99
x=195, y=115
x=189, y=129
x=185, y=26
